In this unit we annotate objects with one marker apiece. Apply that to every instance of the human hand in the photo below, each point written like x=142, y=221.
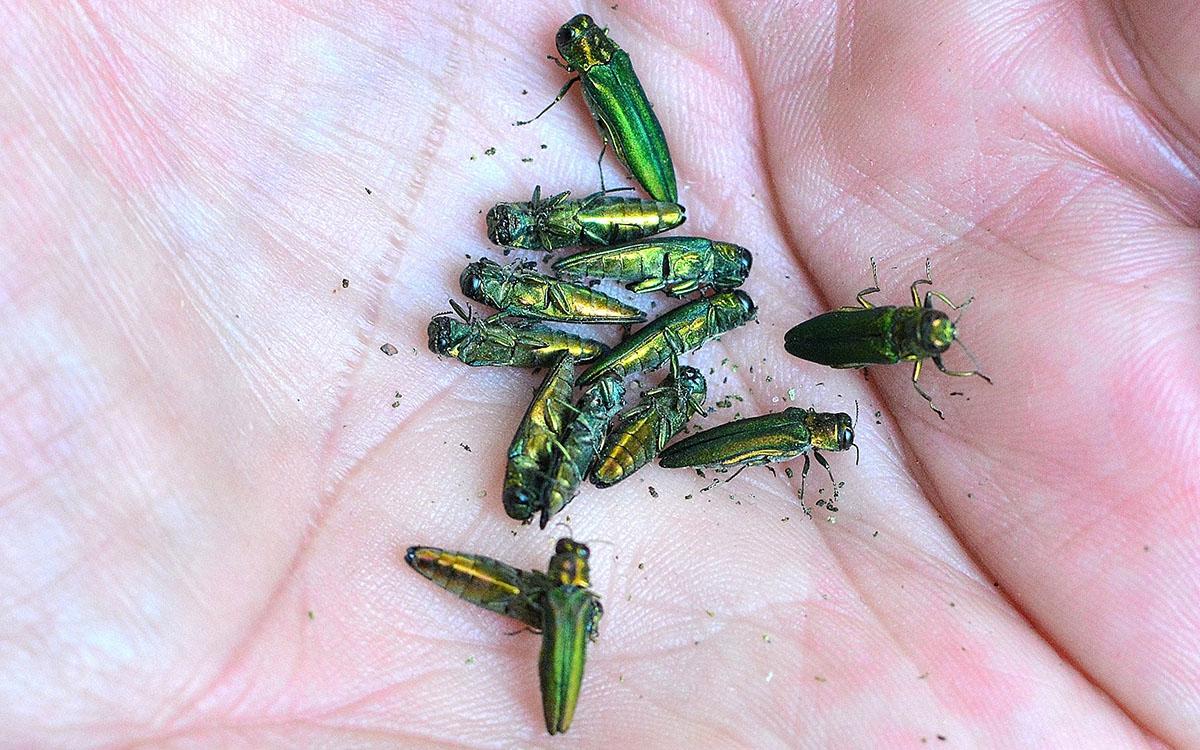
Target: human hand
x=209, y=480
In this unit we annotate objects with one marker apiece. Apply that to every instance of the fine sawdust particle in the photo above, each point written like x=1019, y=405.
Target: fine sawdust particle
x=368, y=190
x=388, y=349
x=311, y=616
x=653, y=492
x=490, y=151
x=345, y=283
x=465, y=447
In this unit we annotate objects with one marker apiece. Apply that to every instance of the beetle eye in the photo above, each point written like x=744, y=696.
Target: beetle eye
x=564, y=37
x=471, y=284
x=847, y=438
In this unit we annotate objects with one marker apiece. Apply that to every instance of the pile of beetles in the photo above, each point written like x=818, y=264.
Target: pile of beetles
x=562, y=440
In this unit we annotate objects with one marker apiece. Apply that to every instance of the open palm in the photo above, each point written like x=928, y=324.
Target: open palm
x=210, y=470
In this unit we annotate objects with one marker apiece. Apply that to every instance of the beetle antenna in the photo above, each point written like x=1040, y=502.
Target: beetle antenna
x=974, y=359
x=464, y=314
x=856, y=454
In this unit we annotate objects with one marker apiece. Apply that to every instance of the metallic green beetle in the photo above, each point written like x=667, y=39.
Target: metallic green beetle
x=532, y=447
x=519, y=290
x=618, y=104
x=681, y=330
x=497, y=340
x=483, y=581
x=869, y=335
x=769, y=438
x=579, y=444
x=559, y=604
x=675, y=265
x=598, y=219
x=571, y=615
x=642, y=431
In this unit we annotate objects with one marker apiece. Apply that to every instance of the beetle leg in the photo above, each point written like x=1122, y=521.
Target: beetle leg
x=594, y=620
x=959, y=373
x=674, y=341
x=930, y=295
x=869, y=290
x=927, y=280
x=646, y=285
x=739, y=471
x=804, y=476
x=821, y=460
x=563, y=92
x=664, y=434
x=924, y=395
x=600, y=164
x=683, y=287
x=556, y=297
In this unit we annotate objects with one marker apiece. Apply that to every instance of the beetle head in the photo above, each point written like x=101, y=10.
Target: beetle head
x=508, y=224
x=937, y=331
x=732, y=264
x=582, y=43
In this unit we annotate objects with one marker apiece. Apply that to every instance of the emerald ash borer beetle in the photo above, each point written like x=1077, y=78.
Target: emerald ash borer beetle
x=558, y=603
x=600, y=219
x=617, y=102
x=674, y=265
x=532, y=450
x=579, y=443
x=678, y=331
x=640, y=433
x=519, y=290
x=769, y=438
x=502, y=341
x=869, y=335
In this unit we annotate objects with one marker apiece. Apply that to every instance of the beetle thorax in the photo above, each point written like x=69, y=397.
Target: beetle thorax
x=937, y=331
x=583, y=44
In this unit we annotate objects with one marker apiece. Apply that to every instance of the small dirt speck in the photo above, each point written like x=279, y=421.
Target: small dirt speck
x=388, y=349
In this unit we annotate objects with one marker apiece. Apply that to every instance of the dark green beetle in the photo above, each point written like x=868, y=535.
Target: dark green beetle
x=598, y=219
x=483, y=581
x=499, y=341
x=675, y=265
x=533, y=445
x=520, y=290
x=769, y=438
x=869, y=335
x=558, y=603
x=618, y=104
x=579, y=444
x=571, y=615
x=680, y=330
x=641, y=432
